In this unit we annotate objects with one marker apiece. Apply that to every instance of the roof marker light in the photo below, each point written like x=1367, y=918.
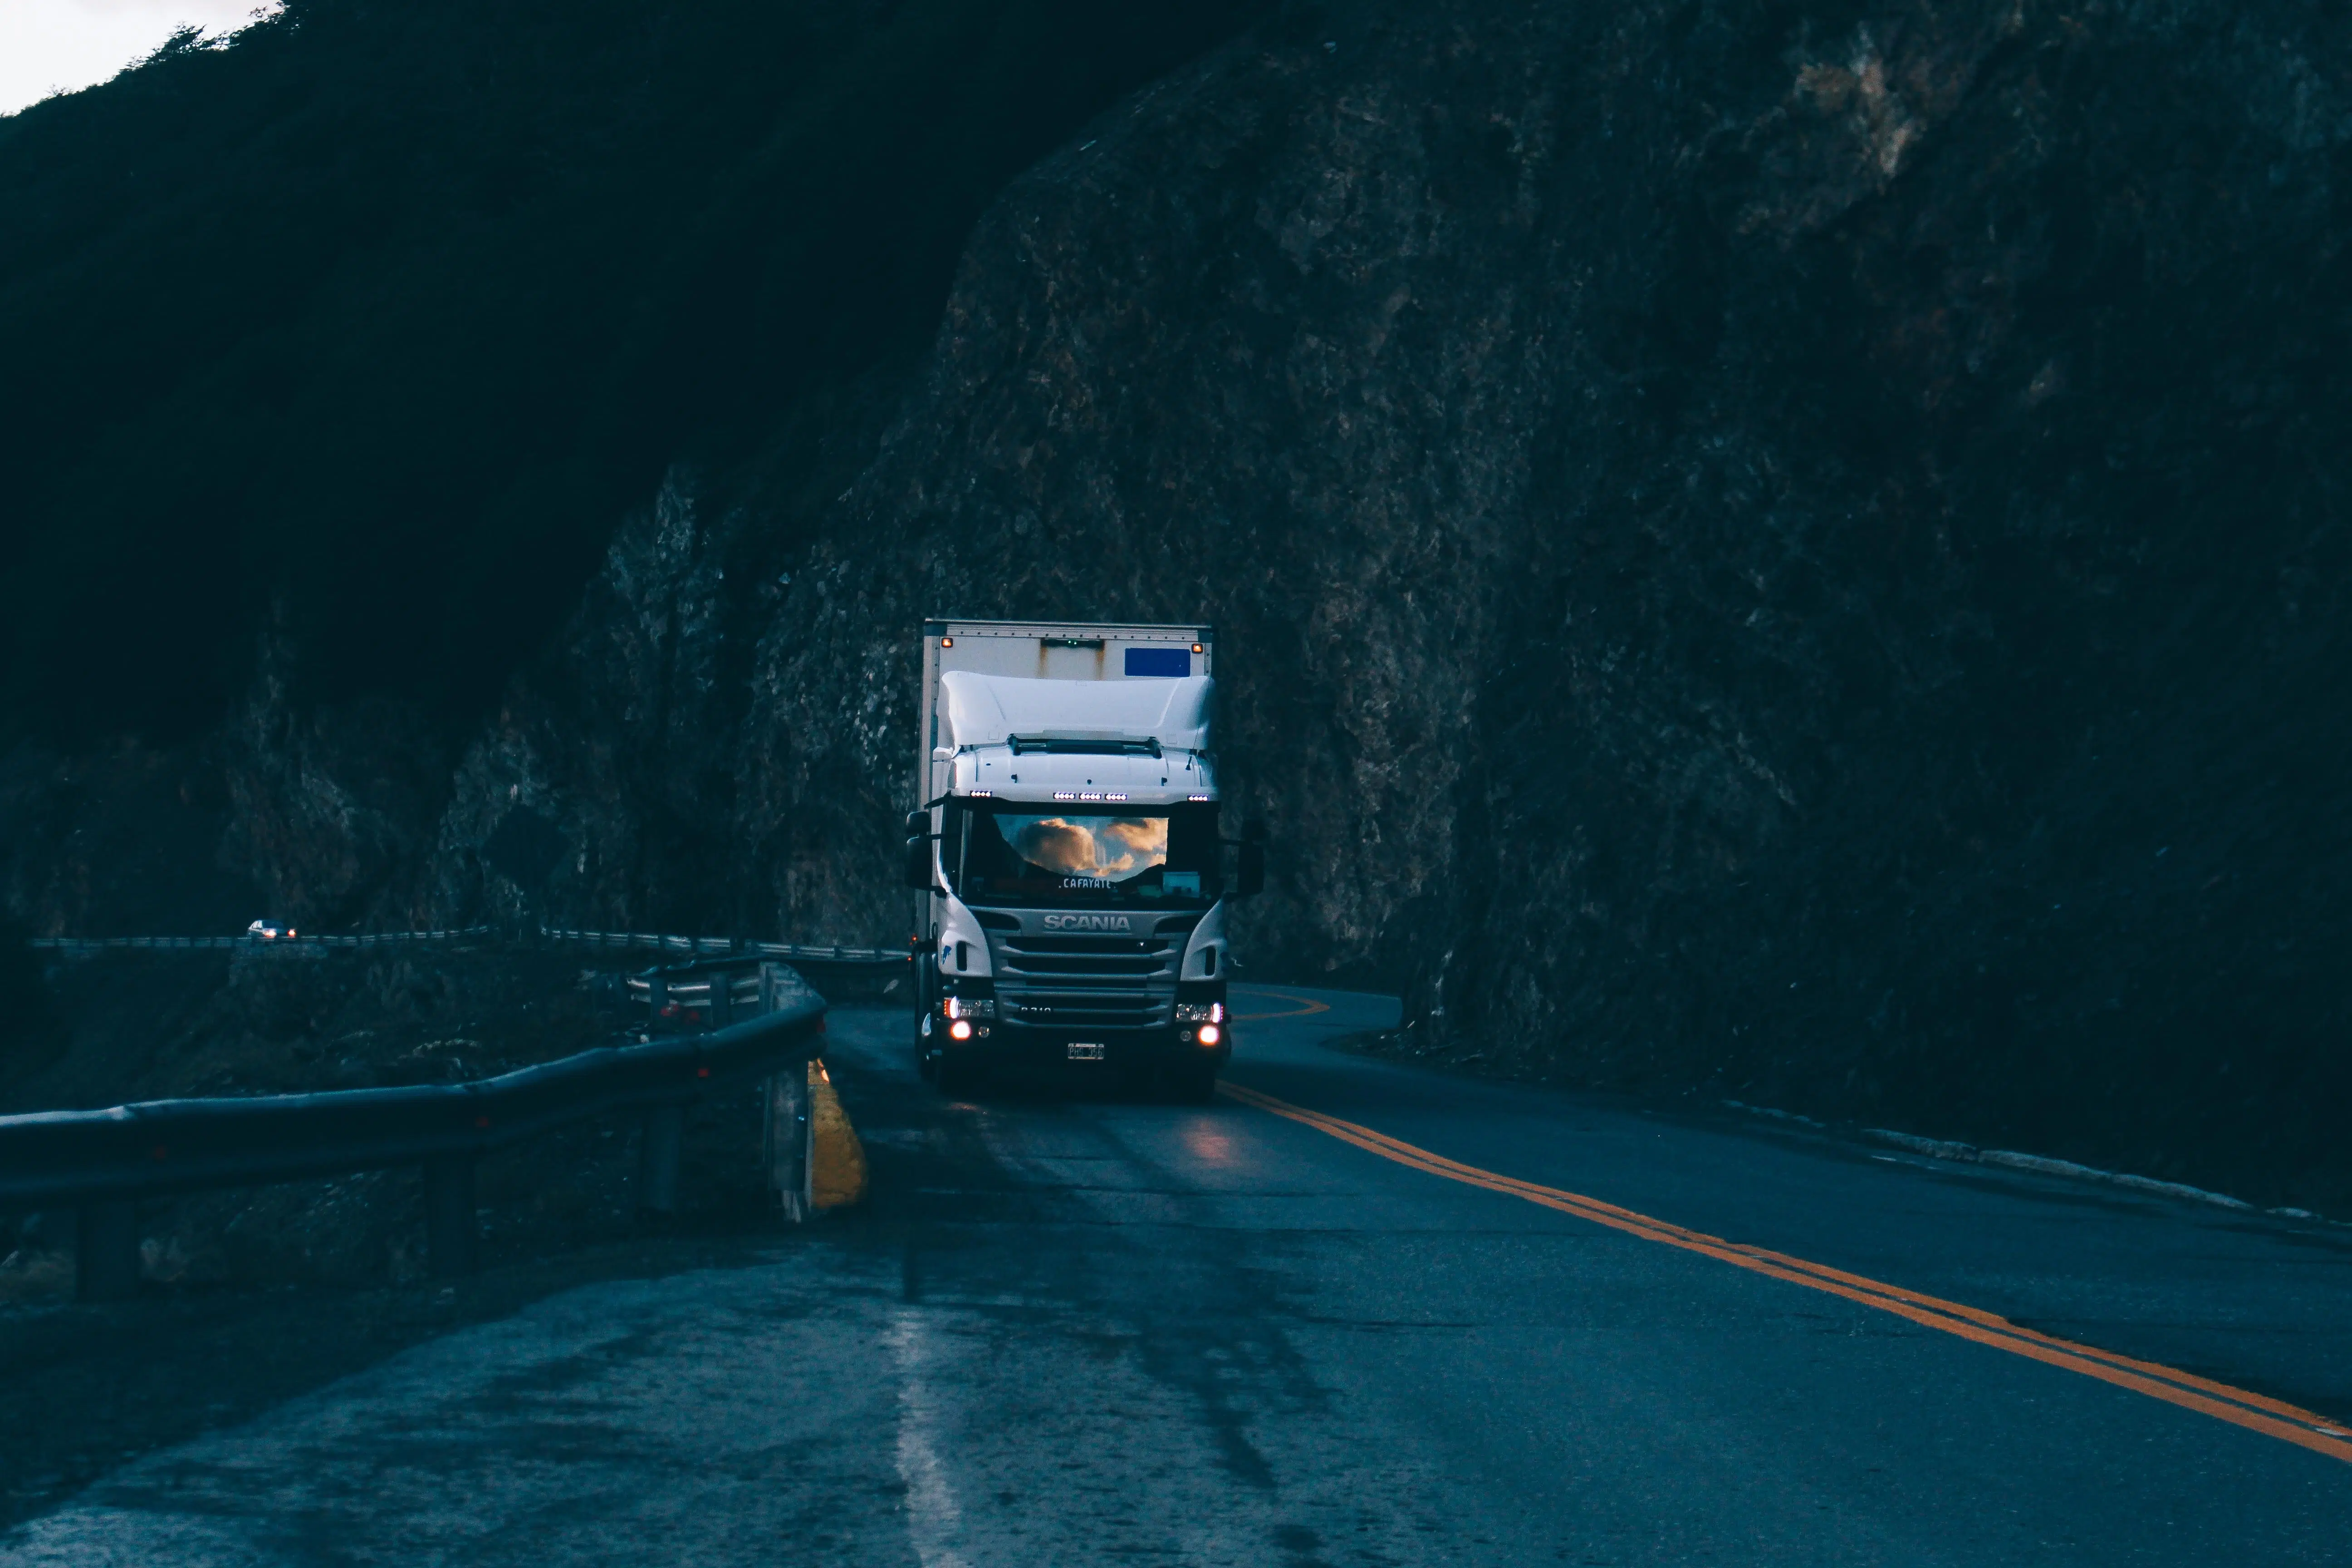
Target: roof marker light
x=1198, y=649
x=1196, y=797
x=1066, y=794
x=947, y=642
x=981, y=795
x=1114, y=797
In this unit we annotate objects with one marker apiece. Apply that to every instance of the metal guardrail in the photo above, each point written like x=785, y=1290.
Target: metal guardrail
x=247, y=940
x=804, y=953
x=667, y=994
x=711, y=994
x=606, y=940
x=104, y=1162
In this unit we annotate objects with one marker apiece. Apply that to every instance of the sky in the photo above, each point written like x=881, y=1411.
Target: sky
x=49, y=45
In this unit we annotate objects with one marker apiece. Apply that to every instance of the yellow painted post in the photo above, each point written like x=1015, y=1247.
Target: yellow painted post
x=837, y=1158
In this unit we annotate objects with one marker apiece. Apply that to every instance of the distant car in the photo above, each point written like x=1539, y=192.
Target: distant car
x=268, y=931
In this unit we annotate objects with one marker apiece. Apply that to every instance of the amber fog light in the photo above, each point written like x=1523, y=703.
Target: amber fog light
x=960, y=1030
x=1210, y=1034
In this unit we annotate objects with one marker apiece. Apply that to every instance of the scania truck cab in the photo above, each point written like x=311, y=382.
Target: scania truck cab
x=1072, y=869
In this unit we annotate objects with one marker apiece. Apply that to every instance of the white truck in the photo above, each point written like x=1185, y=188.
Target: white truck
x=1072, y=874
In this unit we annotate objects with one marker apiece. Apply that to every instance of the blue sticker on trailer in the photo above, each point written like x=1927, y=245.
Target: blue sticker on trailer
x=1159, y=661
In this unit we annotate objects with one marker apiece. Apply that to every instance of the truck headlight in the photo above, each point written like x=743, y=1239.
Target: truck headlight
x=1200, y=1012
x=969, y=1008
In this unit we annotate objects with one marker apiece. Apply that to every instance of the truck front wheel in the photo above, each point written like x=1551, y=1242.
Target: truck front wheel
x=1194, y=1083
x=956, y=1075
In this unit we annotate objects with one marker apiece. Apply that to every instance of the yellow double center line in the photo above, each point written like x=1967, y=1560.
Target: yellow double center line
x=1307, y=1007
x=2238, y=1406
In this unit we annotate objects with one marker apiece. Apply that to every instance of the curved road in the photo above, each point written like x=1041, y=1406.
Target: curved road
x=1355, y=1313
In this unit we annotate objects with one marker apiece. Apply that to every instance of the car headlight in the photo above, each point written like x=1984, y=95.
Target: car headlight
x=1200, y=1012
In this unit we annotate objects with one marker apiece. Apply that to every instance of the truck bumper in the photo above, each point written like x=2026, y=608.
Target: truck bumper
x=1129, y=1050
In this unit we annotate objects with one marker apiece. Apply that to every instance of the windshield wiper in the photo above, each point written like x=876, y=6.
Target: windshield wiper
x=1082, y=746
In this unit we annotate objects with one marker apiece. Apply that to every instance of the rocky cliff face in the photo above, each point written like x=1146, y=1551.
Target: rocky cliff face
x=1794, y=548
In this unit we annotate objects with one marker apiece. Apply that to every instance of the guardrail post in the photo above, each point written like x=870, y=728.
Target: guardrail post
x=665, y=1129
x=450, y=1229
x=786, y=1138
x=106, y=1250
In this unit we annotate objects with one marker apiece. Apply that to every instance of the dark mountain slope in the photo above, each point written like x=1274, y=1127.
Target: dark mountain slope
x=1797, y=548
x=377, y=320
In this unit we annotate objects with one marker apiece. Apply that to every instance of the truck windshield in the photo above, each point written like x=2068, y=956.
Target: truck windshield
x=1010, y=853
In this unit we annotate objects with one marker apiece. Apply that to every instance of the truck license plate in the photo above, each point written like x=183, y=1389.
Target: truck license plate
x=1080, y=1052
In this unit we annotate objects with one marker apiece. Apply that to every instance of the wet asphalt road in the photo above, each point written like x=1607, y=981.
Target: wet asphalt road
x=1074, y=1329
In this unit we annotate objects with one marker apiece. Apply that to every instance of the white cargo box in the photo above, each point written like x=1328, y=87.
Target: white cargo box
x=1169, y=667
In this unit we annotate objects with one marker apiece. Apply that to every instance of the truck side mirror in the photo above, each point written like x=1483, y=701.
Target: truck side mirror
x=919, y=863
x=1249, y=869
x=919, y=822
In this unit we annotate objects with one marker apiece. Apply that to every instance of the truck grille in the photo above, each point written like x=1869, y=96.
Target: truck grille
x=1085, y=982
